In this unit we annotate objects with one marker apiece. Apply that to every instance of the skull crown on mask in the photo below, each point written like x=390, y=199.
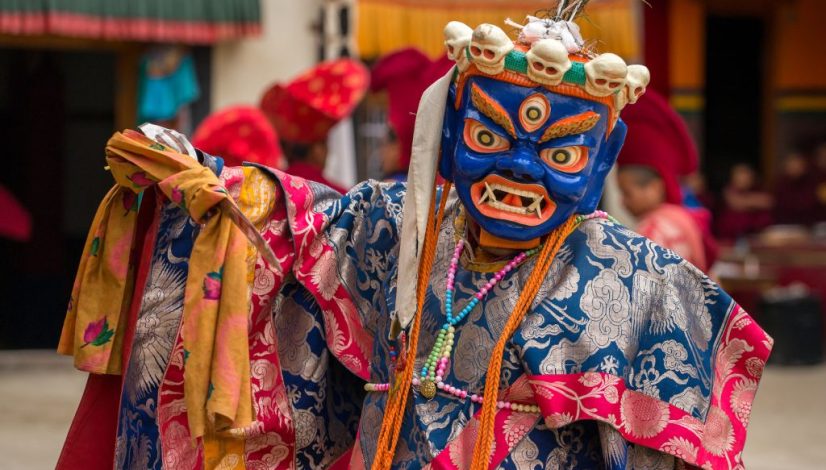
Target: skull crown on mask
x=532, y=128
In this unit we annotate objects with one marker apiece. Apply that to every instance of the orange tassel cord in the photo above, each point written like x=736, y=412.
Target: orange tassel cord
x=400, y=390
x=391, y=424
x=482, y=450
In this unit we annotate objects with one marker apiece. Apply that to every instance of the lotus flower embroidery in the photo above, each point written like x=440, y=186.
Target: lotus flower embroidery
x=140, y=179
x=178, y=197
x=212, y=285
x=97, y=333
x=130, y=201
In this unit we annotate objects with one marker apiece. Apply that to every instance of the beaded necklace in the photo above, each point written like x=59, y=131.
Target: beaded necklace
x=432, y=374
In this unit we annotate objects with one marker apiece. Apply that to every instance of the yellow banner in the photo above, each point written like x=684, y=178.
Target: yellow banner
x=384, y=26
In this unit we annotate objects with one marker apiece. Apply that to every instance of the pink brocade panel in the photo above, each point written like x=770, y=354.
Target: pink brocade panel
x=316, y=270
x=270, y=438
x=714, y=443
x=509, y=429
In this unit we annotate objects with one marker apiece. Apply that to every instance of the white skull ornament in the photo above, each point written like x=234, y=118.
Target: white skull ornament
x=606, y=74
x=457, y=39
x=488, y=47
x=638, y=79
x=548, y=61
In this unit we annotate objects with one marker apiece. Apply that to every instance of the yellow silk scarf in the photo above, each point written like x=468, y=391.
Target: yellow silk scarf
x=216, y=298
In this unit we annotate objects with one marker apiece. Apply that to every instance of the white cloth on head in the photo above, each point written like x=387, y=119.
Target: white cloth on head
x=427, y=139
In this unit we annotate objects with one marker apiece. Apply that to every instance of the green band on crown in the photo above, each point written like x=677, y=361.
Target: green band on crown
x=516, y=61
x=576, y=74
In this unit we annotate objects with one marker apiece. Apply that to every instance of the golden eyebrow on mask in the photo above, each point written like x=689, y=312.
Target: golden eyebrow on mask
x=576, y=124
x=492, y=109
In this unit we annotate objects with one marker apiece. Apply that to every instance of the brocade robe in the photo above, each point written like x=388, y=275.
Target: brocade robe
x=633, y=356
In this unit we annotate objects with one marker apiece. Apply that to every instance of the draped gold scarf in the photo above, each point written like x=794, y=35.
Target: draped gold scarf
x=216, y=298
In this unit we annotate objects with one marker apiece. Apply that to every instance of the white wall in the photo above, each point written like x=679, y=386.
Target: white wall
x=243, y=69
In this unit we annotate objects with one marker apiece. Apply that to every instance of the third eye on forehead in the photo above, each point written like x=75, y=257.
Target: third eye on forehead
x=534, y=112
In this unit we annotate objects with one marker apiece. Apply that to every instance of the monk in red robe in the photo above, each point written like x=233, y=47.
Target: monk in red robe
x=746, y=206
x=304, y=110
x=404, y=75
x=657, y=151
x=795, y=192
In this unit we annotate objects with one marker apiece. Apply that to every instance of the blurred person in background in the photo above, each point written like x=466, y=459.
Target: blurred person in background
x=304, y=110
x=695, y=192
x=239, y=134
x=167, y=85
x=404, y=74
x=746, y=207
x=390, y=155
x=15, y=220
x=668, y=224
x=795, y=192
x=657, y=150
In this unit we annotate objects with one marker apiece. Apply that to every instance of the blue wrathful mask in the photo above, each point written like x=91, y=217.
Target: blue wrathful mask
x=524, y=159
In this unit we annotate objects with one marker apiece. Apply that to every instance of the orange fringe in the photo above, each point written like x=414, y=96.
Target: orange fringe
x=482, y=450
x=391, y=424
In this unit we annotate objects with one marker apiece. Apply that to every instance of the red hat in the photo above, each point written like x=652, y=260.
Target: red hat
x=239, y=134
x=16, y=222
x=406, y=74
x=658, y=138
x=304, y=110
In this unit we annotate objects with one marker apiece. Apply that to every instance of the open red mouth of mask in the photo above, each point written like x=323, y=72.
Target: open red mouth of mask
x=500, y=198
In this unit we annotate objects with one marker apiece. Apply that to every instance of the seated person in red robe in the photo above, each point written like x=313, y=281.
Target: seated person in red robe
x=657, y=150
x=746, y=207
x=795, y=192
x=670, y=225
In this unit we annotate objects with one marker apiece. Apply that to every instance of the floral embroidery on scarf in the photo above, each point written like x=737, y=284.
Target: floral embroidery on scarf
x=177, y=197
x=97, y=333
x=212, y=285
x=140, y=180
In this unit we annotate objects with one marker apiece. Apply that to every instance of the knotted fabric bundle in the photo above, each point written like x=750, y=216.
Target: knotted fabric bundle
x=216, y=300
